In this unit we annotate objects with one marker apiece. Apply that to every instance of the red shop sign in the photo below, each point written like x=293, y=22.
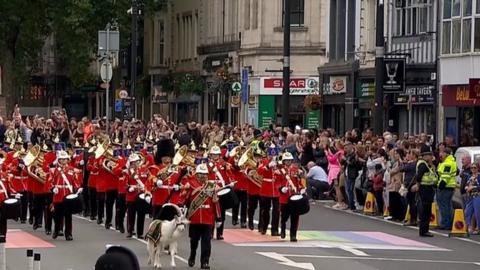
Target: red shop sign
x=475, y=88
x=458, y=95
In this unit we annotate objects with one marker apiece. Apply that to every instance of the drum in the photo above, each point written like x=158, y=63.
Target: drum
x=73, y=203
x=168, y=212
x=142, y=205
x=227, y=198
x=298, y=204
x=11, y=209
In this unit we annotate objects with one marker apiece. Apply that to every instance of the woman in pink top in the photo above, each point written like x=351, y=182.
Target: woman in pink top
x=334, y=159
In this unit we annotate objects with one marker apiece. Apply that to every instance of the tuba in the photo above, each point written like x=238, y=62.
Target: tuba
x=182, y=156
x=105, y=150
x=34, y=158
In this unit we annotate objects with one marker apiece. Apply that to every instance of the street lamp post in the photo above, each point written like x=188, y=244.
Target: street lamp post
x=286, y=65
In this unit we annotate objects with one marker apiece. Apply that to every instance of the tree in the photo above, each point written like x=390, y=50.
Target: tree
x=26, y=24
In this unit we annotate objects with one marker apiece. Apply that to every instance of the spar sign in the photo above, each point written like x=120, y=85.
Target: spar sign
x=298, y=86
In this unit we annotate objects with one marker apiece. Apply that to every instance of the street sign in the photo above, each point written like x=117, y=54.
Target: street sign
x=106, y=71
x=236, y=87
x=394, y=76
x=118, y=105
x=235, y=102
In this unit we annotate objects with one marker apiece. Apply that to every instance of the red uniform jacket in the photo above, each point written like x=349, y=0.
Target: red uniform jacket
x=18, y=175
x=118, y=173
x=160, y=194
x=269, y=187
x=93, y=168
x=106, y=180
x=66, y=180
x=293, y=172
x=235, y=174
x=133, y=179
x=150, y=160
x=76, y=162
x=180, y=197
x=208, y=211
x=222, y=171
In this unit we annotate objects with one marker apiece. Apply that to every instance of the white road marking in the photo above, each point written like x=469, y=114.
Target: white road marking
x=277, y=256
x=140, y=240
x=285, y=261
x=354, y=251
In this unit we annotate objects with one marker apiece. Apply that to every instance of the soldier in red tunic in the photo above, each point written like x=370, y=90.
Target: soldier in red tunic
x=235, y=173
x=121, y=203
x=254, y=189
x=291, y=185
x=269, y=194
x=202, y=212
x=18, y=174
x=93, y=169
x=64, y=181
x=162, y=177
x=135, y=187
x=6, y=191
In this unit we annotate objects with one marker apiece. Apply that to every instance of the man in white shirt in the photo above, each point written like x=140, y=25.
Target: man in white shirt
x=317, y=181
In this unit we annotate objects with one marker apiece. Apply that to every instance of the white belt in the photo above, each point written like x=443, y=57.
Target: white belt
x=92, y=173
x=268, y=180
x=62, y=186
x=206, y=206
x=20, y=177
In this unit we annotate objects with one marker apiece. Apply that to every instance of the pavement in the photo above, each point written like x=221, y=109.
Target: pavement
x=328, y=239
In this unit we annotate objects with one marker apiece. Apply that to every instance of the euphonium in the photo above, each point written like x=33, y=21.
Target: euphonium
x=106, y=151
x=34, y=158
x=183, y=156
x=246, y=160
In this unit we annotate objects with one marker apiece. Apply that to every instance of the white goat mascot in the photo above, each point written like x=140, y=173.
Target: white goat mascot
x=165, y=233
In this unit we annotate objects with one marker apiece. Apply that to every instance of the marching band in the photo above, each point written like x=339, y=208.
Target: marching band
x=52, y=182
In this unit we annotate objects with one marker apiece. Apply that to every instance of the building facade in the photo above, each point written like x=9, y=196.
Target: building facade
x=460, y=71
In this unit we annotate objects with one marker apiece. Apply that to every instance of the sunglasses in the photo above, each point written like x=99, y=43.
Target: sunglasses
x=476, y=168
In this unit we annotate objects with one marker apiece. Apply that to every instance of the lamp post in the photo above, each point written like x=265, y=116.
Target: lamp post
x=286, y=64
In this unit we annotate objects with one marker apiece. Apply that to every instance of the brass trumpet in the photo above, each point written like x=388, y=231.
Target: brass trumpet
x=105, y=150
x=183, y=156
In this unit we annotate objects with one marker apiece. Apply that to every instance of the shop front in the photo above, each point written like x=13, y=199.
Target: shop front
x=415, y=110
x=462, y=114
x=270, y=102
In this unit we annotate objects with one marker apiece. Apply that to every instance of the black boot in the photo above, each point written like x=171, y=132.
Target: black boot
x=191, y=262
x=243, y=225
x=129, y=235
x=205, y=266
x=55, y=235
x=69, y=238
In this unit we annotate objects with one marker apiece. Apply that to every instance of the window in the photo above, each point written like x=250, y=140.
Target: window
x=415, y=18
x=456, y=8
x=297, y=12
x=456, y=34
x=476, y=35
x=447, y=27
x=255, y=14
x=247, y=14
x=478, y=7
x=459, y=21
x=467, y=35
x=447, y=9
x=161, y=42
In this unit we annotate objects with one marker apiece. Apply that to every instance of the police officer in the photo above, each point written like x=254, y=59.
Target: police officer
x=447, y=172
x=426, y=179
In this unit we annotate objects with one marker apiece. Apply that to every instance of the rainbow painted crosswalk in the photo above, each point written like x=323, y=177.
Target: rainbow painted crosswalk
x=329, y=239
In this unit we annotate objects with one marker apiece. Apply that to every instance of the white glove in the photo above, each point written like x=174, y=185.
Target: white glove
x=21, y=166
x=131, y=189
x=79, y=190
x=232, y=184
x=218, y=224
x=81, y=163
x=159, y=183
x=55, y=190
x=176, y=187
x=18, y=196
x=302, y=191
x=284, y=190
x=272, y=164
x=148, y=199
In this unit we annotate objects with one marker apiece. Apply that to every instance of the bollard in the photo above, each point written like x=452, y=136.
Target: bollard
x=36, y=260
x=29, y=259
x=3, y=257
